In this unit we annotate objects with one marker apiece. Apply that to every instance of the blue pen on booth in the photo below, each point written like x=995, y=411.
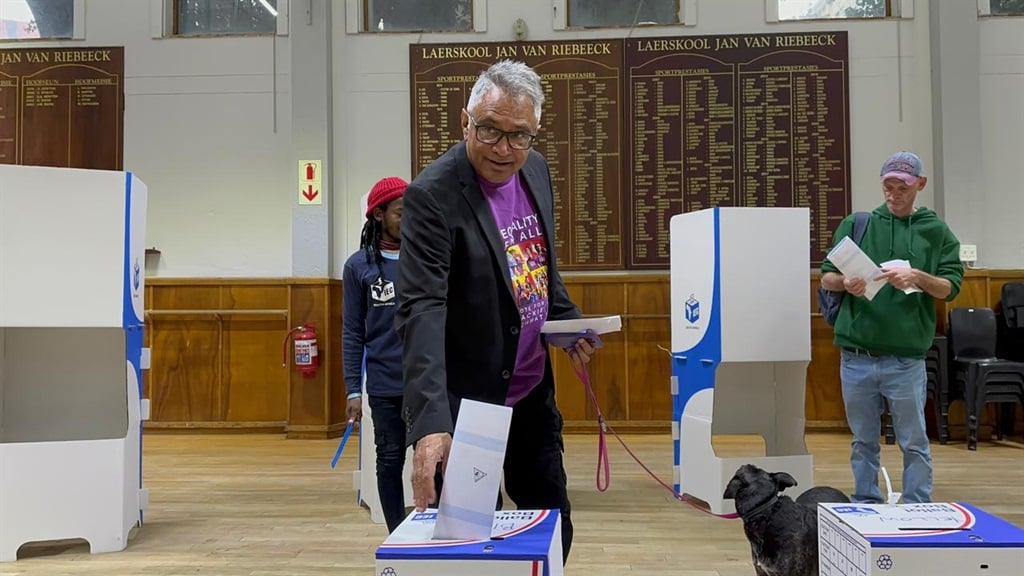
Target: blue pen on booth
x=341, y=445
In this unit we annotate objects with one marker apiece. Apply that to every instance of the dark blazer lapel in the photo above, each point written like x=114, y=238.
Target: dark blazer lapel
x=540, y=189
x=482, y=210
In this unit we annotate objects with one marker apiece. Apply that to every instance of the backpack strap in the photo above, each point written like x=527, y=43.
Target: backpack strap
x=860, y=224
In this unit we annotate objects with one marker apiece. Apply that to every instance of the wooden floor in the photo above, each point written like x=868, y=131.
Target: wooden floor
x=260, y=505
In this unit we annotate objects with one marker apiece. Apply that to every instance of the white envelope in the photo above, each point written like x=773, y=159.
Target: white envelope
x=473, y=475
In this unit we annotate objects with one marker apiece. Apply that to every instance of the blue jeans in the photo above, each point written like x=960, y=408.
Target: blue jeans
x=867, y=379
x=389, y=437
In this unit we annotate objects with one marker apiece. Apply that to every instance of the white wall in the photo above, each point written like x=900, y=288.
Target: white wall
x=199, y=132
x=199, y=122
x=1002, y=132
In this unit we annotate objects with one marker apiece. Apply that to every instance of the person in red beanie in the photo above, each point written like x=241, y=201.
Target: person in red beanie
x=368, y=333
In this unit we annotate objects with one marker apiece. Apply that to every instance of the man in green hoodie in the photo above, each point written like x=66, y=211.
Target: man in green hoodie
x=884, y=340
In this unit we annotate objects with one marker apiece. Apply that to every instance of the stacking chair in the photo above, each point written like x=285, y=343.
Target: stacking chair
x=981, y=375
x=936, y=364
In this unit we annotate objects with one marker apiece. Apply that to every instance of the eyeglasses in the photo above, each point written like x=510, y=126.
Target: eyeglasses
x=490, y=135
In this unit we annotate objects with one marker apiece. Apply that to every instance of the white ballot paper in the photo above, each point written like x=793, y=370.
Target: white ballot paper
x=901, y=264
x=854, y=263
x=601, y=325
x=473, y=476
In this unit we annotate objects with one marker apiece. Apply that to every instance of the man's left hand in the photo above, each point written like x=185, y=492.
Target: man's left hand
x=581, y=351
x=901, y=278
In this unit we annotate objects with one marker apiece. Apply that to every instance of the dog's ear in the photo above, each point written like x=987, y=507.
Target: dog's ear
x=783, y=480
x=732, y=489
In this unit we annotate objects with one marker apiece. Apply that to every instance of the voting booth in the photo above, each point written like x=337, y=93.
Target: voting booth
x=933, y=538
x=741, y=343
x=71, y=335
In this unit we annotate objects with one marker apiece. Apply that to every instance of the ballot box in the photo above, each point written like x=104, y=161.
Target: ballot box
x=937, y=538
x=522, y=543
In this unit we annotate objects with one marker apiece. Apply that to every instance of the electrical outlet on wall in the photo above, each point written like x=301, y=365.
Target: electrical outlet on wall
x=968, y=253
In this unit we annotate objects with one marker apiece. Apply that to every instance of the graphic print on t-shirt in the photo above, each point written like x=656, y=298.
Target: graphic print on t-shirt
x=527, y=256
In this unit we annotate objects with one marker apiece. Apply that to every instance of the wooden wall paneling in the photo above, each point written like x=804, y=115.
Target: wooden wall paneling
x=332, y=349
x=648, y=332
x=824, y=393
x=185, y=369
x=569, y=395
x=314, y=408
x=607, y=369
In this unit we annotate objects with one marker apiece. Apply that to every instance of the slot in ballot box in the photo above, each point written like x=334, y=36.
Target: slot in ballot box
x=523, y=543
x=741, y=343
x=71, y=356
x=934, y=538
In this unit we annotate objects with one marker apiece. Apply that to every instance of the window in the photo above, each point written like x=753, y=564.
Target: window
x=417, y=15
x=1006, y=7
x=608, y=13
x=826, y=9
x=37, y=19
x=224, y=17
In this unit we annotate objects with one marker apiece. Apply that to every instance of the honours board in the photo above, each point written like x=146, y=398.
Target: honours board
x=638, y=130
x=580, y=134
x=62, y=107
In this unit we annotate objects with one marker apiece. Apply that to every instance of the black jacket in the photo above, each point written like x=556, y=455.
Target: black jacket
x=457, y=316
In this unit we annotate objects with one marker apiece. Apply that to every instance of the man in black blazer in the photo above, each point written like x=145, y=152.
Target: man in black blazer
x=476, y=281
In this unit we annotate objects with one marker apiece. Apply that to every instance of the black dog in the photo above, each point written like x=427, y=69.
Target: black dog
x=783, y=534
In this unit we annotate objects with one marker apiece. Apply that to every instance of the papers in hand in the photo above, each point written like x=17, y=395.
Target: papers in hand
x=901, y=264
x=854, y=263
x=601, y=325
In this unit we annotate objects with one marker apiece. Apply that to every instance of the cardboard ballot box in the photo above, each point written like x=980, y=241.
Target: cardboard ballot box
x=523, y=543
x=938, y=538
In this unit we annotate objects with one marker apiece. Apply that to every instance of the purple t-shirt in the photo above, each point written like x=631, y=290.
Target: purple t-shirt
x=526, y=253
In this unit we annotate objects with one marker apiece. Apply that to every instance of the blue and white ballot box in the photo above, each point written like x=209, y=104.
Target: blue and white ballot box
x=522, y=543
x=741, y=343
x=938, y=538
x=72, y=310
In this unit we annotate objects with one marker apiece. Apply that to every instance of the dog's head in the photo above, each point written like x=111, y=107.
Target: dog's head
x=751, y=483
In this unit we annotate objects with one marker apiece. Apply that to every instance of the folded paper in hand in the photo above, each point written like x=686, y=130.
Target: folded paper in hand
x=891, y=264
x=854, y=263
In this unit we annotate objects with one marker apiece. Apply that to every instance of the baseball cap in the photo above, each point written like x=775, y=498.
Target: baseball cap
x=903, y=165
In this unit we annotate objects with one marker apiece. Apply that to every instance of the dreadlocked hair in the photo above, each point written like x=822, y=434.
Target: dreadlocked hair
x=369, y=242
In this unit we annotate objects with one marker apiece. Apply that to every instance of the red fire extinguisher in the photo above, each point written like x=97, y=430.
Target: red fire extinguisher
x=306, y=358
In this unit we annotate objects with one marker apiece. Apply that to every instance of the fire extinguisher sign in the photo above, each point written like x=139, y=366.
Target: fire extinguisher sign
x=309, y=182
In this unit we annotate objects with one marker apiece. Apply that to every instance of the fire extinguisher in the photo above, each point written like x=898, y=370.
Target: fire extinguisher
x=306, y=358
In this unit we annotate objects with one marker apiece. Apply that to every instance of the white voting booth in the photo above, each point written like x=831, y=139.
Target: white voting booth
x=741, y=343
x=71, y=322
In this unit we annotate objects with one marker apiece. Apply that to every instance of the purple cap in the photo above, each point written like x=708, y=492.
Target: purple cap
x=903, y=165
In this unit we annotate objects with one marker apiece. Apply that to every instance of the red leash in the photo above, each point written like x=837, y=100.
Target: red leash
x=602, y=448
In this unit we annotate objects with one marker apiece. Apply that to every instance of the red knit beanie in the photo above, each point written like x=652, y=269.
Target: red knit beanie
x=384, y=191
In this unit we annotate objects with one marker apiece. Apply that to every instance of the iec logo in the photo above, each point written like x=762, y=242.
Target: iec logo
x=389, y=571
x=137, y=277
x=692, y=309
x=884, y=562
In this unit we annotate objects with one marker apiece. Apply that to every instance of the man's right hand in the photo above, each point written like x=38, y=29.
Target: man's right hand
x=354, y=410
x=855, y=286
x=430, y=450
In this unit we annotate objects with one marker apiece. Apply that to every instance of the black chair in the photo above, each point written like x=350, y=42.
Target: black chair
x=936, y=364
x=977, y=370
